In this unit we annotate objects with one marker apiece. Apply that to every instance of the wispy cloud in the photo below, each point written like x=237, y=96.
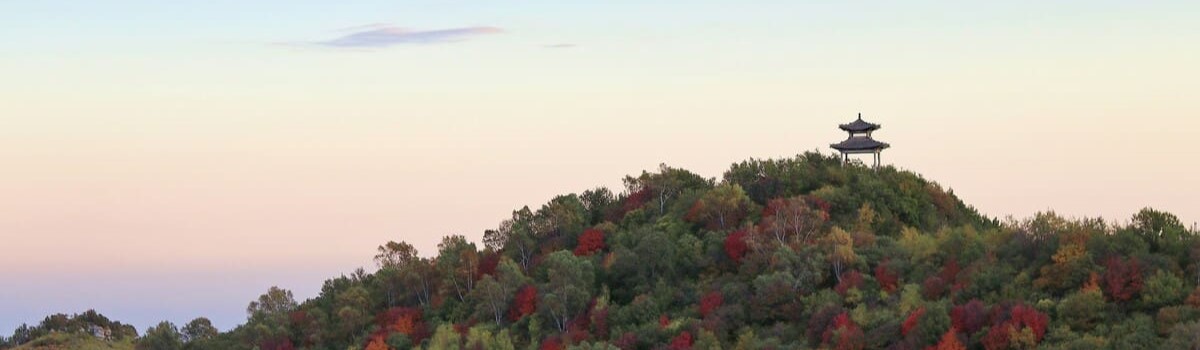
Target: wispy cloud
x=559, y=46
x=382, y=36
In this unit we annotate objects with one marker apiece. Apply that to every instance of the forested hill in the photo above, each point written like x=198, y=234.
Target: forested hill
x=801, y=253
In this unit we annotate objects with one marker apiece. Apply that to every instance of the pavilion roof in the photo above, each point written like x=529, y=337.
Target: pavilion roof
x=859, y=143
x=859, y=125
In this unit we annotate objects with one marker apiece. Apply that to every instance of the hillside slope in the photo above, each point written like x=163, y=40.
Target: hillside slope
x=799, y=253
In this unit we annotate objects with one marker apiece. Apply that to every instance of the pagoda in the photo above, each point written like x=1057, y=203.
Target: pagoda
x=860, y=141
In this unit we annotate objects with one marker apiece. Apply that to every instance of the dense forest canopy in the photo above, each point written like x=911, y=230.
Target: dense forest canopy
x=800, y=253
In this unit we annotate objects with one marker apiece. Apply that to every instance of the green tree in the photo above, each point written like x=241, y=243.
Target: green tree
x=1163, y=289
x=458, y=262
x=568, y=287
x=199, y=329
x=276, y=303
x=492, y=298
x=667, y=184
x=353, y=310
x=163, y=336
x=445, y=338
x=1081, y=310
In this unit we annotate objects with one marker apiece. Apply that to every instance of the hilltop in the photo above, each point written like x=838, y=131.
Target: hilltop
x=805, y=252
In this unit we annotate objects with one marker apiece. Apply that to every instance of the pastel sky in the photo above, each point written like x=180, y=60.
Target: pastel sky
x=174, y=159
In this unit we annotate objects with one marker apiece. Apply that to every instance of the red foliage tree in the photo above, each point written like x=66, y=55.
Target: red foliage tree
x=970, y=317
x=681, y=342
x=1028, y=317
x=377, y=343
x=635, y=200
x=933, y=288
x=664, y=321
x=888, y=281
x=849, y=281
x=997, y=337
x=911, y=322
x=487, y=265
x=949, y=273
x=1122, y=278
x=1020, y=317
x=524, y=303
x=553, y=343
x=949, y=342
x=710, y=302
x=403, y=320
x=591, y=241
x=844, y=333
x=735, y=245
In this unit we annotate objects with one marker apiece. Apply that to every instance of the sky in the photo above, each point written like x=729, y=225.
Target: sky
x=164, y=160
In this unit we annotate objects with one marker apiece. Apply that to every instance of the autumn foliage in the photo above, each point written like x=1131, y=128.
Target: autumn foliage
x=683, y=341
x=591, y=241
x=710, y=302
x=911, y=321
x=888, y=281
x=735, y=245
x=844, y=334
x=804, y=253
x=851, y=280
x=1025, y=327
x=1122, y=278
x=970, y=317
x=949, y=341
x=524, y=303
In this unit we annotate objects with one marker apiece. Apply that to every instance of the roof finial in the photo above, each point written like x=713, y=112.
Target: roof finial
x=859, y=115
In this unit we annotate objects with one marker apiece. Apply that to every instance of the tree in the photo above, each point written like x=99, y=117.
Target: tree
x=199, y=329
x=563, y=214
x=1122, y=278
x=458, y=262
x=524, y=303
x=445, y=338
x=710, y=302
x=276, y=303
x=1024, y=328
x=844, y=334
x=735, y=245
x=666, y=184
x=352, y=309
x=1082, y=309
x=1184, y=336
x=950, y=341
x=567, y=287
x=970, y=317
x=1161, y=229
x=163, y=336
x=396, y=255
x=888, y=280
x=791, y=219
x=683, y=341
x=268, y=321
x=721, y=207
x=1163, y=289
x=492, y=298
x=842, y=248
x=515, y=237
x=592, y=240
x=396, y=260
